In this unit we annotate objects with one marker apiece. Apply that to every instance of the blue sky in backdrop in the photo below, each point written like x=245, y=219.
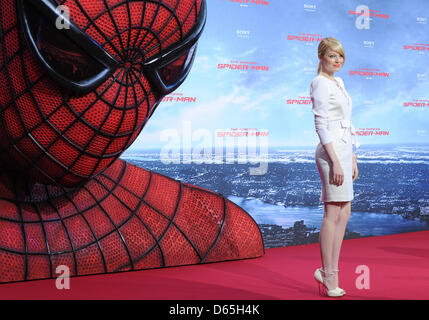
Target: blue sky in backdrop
x=258, y=99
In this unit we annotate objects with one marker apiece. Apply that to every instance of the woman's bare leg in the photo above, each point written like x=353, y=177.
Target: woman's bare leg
x=327, y=237
x=340, y=228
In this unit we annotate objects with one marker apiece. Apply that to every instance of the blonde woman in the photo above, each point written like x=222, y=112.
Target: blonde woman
x=335, y=159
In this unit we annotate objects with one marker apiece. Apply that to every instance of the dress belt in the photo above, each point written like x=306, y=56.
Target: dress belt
x=346, y=124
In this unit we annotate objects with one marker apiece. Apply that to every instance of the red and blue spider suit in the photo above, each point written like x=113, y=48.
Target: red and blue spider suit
x=72, y=99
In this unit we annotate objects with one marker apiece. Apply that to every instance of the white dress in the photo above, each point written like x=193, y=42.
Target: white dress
x=332, y=108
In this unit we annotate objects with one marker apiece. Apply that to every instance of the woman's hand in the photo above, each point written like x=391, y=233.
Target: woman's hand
x=355, y=169
x=337, y=174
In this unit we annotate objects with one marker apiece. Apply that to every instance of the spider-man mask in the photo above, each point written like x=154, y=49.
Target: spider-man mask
x=80, y=78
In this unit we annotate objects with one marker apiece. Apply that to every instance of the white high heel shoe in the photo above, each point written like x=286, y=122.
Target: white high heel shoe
x=318, y=276
x=342, y=290
x=337, y=292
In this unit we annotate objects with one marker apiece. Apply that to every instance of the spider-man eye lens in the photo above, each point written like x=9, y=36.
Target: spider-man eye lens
x=80, y=64
x=168, y=70
x=60, y=52
x=173, y=72
x=66, y=52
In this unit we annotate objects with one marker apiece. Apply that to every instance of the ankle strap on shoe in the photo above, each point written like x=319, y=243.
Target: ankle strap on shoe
x=328, y=273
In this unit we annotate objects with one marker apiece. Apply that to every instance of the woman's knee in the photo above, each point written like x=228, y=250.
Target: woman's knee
x=345, y=212
x=332, y=211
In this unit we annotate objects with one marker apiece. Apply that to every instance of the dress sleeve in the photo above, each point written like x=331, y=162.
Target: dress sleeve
x=319, y=93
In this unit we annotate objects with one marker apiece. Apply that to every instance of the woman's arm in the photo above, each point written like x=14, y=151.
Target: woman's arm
x=320, y=95
x=355, y=168
x=329, y=148
x=319, y=92
x=337, y=174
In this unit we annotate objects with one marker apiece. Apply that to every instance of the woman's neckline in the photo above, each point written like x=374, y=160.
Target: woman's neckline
x=334, y=81
x=328, y=78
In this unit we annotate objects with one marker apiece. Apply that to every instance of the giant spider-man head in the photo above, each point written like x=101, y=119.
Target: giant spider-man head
x=80, y=78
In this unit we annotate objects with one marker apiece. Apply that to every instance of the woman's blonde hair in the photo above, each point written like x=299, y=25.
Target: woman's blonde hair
x=329, y=43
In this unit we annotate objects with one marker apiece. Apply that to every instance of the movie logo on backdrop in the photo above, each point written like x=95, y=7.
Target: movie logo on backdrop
x=366, y=12
x=369, y=73
x=242, y=66
x=372, y=132
x=178, y=97
x=300, y=100
x=365, y=15
x=254, y=69
x=417, y=103
x=419, y=47
x=308, y=38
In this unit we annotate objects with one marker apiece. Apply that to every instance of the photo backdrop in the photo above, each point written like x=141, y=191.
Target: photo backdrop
x=242, y=125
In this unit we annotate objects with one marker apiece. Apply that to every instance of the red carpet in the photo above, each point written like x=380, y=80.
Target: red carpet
x=398, y=266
